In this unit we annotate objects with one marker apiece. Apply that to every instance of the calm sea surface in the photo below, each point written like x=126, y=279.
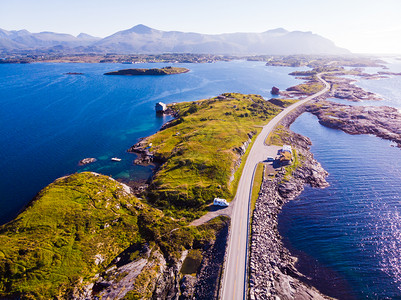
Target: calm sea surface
x=348, y=236
x=49, y=121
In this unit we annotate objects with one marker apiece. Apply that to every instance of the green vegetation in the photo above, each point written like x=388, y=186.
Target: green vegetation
x=277, y=136
x=162, y=71
x=238, y=172
x=79, y=224
x=317, y=70
x=257, y=183
x=144, y=283
x=280, y=136
x=192, y=262
x=199, y=151
x=75, y=228
x=296, y=163
x=283, y=102
x=308, y=88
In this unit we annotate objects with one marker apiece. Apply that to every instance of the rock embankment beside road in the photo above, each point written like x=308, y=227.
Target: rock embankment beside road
x=273, y=270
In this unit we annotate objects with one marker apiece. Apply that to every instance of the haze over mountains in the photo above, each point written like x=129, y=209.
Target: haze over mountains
x=146, y=40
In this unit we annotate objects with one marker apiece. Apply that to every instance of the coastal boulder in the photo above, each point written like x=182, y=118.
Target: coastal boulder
x=87, y=161
x=275, y=91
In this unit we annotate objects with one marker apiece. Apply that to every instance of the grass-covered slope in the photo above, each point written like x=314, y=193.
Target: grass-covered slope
x=79, y=224
x=200, y=149
x=155, y=71
x=74, y=228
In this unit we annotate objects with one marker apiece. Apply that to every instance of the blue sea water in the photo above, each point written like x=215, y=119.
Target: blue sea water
x=388, y=88
x=49, y=120
x=348, y=236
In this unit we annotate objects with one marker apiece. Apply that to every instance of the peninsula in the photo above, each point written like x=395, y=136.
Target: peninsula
x=155, y=71
x=87, y=235
x=382, y=121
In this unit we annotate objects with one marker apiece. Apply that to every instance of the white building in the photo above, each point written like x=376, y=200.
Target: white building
x=160, y=107
x=287, y=148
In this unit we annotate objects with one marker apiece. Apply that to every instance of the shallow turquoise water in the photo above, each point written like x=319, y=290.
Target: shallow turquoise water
x=49, y=121
x=348, y=236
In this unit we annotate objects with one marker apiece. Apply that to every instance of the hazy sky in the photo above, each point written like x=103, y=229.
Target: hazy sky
x=369, y=26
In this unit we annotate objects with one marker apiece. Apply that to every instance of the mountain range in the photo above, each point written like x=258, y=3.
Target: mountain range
x=146, y=40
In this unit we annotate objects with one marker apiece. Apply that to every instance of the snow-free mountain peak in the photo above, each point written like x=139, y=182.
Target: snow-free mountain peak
x=146, y=40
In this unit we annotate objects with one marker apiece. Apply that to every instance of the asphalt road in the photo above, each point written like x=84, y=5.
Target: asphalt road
x=235, y=271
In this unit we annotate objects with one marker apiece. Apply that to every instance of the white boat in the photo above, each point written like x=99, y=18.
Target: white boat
x=115, y=159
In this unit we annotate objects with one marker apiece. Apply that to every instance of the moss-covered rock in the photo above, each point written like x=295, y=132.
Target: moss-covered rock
x=155, y=71
x=72, y=229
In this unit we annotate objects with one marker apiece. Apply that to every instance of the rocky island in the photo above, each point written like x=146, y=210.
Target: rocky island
x=382, y=121
x=87, y=161
x=162, y=71
x=273, y=272
x=340, y=87
x=87, y=236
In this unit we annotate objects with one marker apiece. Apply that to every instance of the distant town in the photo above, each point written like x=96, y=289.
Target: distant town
x=312, y=61
x=37, y=56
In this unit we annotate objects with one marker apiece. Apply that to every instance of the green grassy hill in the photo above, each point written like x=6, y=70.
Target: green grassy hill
x=162, y=71
x=200, y=150
x=74, y=229
x=79, y=224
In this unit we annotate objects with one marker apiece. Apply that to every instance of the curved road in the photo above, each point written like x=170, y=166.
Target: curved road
x=235, y=271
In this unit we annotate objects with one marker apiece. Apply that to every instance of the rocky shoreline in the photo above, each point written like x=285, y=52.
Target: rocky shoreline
x=273, y=270
x=343, y=88
x=381, y=121
x=206, y=284
x=273, y=273
x=154, y=71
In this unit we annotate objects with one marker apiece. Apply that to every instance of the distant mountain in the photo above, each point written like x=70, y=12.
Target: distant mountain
x=146, y=40
x=25, y=40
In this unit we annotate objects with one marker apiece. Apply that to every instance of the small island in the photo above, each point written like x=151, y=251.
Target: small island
x=87, y=161
x=381, y=121
x=154, y=71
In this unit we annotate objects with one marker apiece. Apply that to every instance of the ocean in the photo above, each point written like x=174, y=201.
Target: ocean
x=49, y=121
x=347, y=237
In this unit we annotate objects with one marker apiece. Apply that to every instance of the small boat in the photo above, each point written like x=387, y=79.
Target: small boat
x=115, y=159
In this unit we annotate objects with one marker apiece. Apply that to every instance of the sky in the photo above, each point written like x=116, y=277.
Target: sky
x=362, y=26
